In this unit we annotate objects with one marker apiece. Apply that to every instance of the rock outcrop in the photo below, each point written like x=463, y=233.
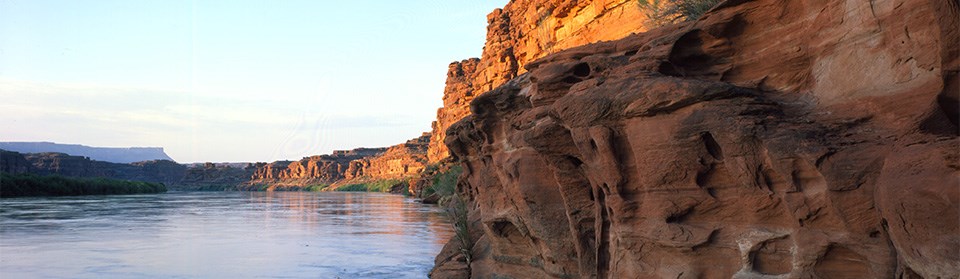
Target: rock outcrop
x=402, y=160
x=521, y=32
x=457, y=95
x=769, y=139
x=320, y=169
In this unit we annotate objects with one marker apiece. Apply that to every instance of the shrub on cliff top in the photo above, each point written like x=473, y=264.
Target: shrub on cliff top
x=662, y=12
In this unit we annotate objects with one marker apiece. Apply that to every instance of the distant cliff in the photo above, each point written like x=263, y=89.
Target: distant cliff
x=107, y=154
x=397, y=161
x=159, y=171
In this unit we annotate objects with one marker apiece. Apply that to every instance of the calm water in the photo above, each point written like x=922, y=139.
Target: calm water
x=220, y=235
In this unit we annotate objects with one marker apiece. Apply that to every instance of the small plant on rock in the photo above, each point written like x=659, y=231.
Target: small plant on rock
x=663, y=12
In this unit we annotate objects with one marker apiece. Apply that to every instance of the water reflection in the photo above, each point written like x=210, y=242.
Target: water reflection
x=220, y=235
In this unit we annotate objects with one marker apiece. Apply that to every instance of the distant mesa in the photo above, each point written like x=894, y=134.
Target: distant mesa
x=121, y=155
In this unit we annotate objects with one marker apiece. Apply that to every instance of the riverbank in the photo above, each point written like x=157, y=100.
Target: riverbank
x=32, y=185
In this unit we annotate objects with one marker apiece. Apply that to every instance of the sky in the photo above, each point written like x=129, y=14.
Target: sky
x=230, y=81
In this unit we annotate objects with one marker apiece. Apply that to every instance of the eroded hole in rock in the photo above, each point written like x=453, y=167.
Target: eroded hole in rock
x=630, y=53
x=944, y=119
x=505, y=229
x=571, y=79
x=679, y=217
x=581, y=70
x=696, y=53
x=773, y=256
x=712, y=146
x=603, y=237
x=593, y=144
x=841, y=262
x=575, y=161
x=949, y=99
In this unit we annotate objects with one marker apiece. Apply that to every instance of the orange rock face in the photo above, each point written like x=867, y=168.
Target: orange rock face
x=456, y=99
x=521, y=32
x=362, y=163
x=398, y=161
x=321, y=169
x=770, y=139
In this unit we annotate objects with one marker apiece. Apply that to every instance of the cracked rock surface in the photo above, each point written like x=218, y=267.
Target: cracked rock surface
x=769, y=139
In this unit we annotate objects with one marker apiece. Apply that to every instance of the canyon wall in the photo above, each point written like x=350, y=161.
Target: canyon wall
x=525, y=30
x=320, y=169
x=398, y=161
x=122, y=155
x=14, y=162
x=215, y=176
x=769, y=139
x=160, y=171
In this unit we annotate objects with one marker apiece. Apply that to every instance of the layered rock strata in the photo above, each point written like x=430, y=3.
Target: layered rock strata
x=401, y=160
x=320, y=169
x=397, y=161
x=770, y=139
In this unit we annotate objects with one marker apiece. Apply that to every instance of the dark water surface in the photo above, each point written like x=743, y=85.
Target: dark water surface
x=220, y=235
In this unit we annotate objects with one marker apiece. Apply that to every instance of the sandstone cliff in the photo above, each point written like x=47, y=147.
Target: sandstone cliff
x=397, y=161
x=770, y=139
x=522, y=31
x=320, y=169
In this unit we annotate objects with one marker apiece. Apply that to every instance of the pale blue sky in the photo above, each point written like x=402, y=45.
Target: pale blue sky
x=230, y=80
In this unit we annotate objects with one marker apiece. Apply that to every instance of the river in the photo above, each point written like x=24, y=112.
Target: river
x=220, y=235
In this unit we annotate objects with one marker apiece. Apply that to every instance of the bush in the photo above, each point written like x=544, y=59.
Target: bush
x=380, y=186
x=662, y=12
x=457, y=211
x=445, y=183
x=24, y=185
x=316, y=187
x=352, y=188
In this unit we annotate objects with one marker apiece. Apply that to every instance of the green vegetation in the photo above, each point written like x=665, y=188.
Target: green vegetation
x=204, y=187
x=24, y=185
x=662, y=12
x=457, y=211
x=316, y=187
x=445, y=188
x=445, y=184
x=381, y=186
